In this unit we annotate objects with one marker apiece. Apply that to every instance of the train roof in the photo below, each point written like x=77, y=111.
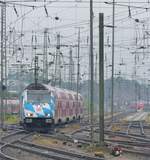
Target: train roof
x=58, y=92
x=38, y=86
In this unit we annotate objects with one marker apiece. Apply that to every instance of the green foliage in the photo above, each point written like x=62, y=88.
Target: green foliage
x=11, y=119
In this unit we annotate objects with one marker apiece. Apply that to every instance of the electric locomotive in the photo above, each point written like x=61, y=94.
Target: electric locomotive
x=37, y=107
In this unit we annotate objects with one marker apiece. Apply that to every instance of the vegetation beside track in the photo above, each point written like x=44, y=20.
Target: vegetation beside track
x=11, y=119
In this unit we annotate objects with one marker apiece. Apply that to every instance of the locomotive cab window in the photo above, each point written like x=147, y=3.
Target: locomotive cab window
x=38, y=97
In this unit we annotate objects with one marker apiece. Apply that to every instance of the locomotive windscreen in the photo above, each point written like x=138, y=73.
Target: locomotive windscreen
x=38, y=96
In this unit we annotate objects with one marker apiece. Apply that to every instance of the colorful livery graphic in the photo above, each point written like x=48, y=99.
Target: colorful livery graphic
x=38, y=104
x=43, y=106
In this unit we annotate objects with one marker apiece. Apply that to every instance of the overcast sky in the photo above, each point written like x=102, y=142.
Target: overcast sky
x=129, y=32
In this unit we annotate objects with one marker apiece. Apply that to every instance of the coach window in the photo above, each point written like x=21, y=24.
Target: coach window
x=70, y=97
x=75, y=97
x=81, y=98
x=73, y=104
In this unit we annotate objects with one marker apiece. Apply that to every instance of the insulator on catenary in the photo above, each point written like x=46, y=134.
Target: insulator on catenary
x=129, y=9
x=46, y=11
x=16, y=11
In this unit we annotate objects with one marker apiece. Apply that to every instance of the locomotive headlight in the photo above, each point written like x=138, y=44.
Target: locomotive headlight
x=47, y=115
x=29, y=114
x=48, y=121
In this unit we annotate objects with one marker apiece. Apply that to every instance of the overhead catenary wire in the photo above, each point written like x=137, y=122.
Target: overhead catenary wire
x=95, y=19
x=75, y=1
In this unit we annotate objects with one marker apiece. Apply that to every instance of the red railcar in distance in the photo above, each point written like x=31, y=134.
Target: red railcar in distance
x=137, y=106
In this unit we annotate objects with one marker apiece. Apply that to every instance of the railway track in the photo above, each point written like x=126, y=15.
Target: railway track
x=130, y=136
x=15, y=143
x=120, y=134
x=13, y=136
x=16, y=127
x=47, y=152
x=72, y=136
x=133, y=145
x=4, y=157
x=42, y=151
x=21, y=147
x=13, y=147
x=129, y=143
x=9, y=139
x=138, y=151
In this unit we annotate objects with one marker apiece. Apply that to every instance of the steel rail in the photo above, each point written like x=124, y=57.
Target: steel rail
x=127, y=146
x=52, y=153
x=13, y=136
x=5, y=157
x=129, y=143
x=5, y=140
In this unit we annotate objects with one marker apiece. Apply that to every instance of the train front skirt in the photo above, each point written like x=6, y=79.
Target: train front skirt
x=38, y=124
